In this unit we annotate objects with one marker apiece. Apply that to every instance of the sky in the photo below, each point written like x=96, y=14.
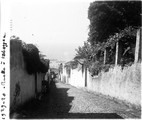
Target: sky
x=57, y=28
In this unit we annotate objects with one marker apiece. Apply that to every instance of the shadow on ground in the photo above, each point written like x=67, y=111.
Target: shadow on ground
x=56, y=105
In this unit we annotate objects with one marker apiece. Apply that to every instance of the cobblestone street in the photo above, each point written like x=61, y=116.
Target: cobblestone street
x=66, y=101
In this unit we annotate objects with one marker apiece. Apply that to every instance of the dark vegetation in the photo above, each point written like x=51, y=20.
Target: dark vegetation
x=110, y=22
x=34, y=62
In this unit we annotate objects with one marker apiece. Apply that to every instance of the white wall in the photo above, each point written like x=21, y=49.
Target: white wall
x=18, y=76
x=77, y=78
x=26, y=83
x=122, y=84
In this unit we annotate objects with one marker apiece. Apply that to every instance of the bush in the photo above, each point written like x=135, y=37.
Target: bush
x=97, y=67
x=31, y=57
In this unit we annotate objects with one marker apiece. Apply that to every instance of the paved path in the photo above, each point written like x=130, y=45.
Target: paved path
x=65, y=101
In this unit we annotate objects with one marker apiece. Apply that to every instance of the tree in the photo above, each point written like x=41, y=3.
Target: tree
x=109, y=17
x=84, y=53
x=111, y=22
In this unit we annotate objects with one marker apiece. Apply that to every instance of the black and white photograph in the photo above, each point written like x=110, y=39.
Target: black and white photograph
x=70, y=59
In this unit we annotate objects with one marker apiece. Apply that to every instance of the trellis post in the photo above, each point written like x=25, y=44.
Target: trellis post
x=104, y=56
x=137, y=47
x=116, y=54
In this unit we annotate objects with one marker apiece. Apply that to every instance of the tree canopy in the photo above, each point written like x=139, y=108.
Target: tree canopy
x=109, y=17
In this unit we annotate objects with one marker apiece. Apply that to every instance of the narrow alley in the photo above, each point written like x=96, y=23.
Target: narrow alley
x=66, y=101
x=64, y=60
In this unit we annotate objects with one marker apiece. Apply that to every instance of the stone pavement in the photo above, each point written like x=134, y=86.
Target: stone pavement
x=66, y=101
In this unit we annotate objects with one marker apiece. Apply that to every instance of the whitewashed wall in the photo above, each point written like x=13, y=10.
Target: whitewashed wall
x=77, y=78
x=22, y=85
x=122, y=84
